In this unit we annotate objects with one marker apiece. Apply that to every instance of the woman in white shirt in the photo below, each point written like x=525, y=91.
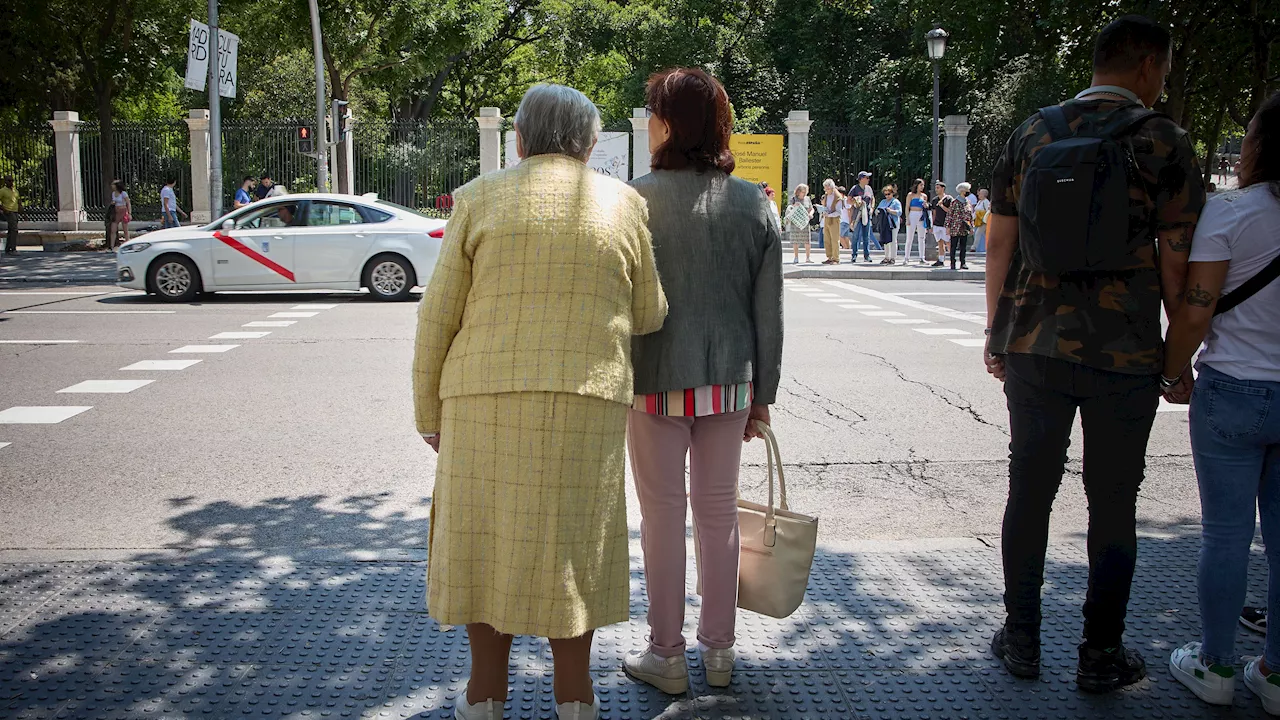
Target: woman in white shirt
x=981, y=213
x=121, y=214
x=1235, y=410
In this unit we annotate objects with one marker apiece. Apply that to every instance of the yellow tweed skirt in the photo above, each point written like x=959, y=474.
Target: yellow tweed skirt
x=529, y=514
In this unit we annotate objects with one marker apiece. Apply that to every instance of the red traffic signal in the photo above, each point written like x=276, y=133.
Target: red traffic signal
x=306, y=143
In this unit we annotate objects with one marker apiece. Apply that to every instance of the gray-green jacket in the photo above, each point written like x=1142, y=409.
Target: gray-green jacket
x=719, y=256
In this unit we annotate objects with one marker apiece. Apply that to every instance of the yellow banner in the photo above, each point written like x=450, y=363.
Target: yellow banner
x=759, y=159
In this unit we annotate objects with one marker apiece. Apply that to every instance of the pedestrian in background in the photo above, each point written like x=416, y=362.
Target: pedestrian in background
x=1086, y=337
x=263, y=190
x=863, y=202
x=939, y=206
x=815, y=224
x=796, y=223
x=10, y=205
x=1235, y=411
x=772, y=197
x=706, y=376
x=243, y=194
x=169, y=209
x=960, y=224
x=917, y=219
x=121, y=214
x=981, y=211
x=831, y=201
x=846, y=217
x=522, y=380
x=888, y=213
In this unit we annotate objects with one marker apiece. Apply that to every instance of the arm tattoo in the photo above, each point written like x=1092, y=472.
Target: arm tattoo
x=1199, y=297
x=1181, y=242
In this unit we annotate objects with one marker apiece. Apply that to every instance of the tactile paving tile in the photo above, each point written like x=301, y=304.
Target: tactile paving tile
x=277, y=690
x=148, y=690
x=206, y=636
x=332, y=638
x=925, y=694
x=37, y=687
x=773, y=694
x=25, y=587
x=904, y=642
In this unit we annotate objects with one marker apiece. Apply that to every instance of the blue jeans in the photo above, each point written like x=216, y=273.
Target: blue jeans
x=862, y=236
x=171, y=219
x=981, y=233
x=1235, y=442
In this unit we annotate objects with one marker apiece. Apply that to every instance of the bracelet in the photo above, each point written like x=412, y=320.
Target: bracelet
x=1166, y=383
x=986, y=331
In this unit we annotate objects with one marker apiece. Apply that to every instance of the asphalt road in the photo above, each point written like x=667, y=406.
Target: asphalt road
x=303, y=438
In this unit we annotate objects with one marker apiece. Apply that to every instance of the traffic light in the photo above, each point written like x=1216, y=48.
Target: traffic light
x=342, y=118
x=306, y=143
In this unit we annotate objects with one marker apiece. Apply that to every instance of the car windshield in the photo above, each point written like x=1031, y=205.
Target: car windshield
x=402, y=208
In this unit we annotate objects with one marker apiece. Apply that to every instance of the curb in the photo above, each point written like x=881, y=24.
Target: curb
x=851, y=274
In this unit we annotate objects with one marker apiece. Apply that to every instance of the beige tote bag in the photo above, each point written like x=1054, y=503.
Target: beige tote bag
x=777, y=547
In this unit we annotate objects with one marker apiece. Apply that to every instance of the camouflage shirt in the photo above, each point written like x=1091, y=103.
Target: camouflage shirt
x=1112, y=321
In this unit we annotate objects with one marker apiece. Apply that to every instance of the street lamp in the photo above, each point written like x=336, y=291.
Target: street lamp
x=936, y=39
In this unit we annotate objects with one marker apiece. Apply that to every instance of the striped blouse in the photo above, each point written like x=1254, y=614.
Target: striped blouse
x=697, y=402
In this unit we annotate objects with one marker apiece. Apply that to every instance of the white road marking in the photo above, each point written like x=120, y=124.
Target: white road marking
x=4, y=445
x=940, y=331
x=294, y=314
x=204, y=348
x=906, y=302
x=38, y=342
x=240, y=335
x=860, y=307
x=1166, y=406
x=941, y=294
x=833, y=299
x=41, y=292
x=313, y=306
x=106, y=386
x=161, y=365
x=40, y=415
x=882, y=313
x=270, y=323
x=971, y=342
x=90, y=312
x=907, y=321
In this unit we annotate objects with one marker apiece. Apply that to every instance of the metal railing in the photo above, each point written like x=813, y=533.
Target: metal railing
x=840, y=153
x=146, y=155
x=415, y=164
x=27, y=154
x=270, y=147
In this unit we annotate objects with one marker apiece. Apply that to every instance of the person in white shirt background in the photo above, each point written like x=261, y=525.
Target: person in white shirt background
x=981, y=214
x=169, y=209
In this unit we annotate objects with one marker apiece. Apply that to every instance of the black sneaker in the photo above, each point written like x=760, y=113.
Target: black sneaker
x=1101, y=671
x=1254, y=618
x=1019, y=653
x=938, y=264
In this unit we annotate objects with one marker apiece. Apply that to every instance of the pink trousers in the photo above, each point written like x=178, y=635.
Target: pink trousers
x=658, y=446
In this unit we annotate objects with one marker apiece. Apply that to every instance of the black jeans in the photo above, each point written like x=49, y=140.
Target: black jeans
x=963, y=242
x=1116, y=414
x=11, y=236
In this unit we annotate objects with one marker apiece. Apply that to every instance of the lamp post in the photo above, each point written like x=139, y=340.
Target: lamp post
x=936, y=39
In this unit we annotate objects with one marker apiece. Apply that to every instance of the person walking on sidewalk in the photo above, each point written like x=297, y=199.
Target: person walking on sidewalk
x=939, y=206
x=888, y=214
x=244, y=193
x=121, y=214
x=960, y=225
x=522, y=380
x=863, y=202
x=917, y=219
x=702, y=380
x=981, y=211
x=1074, y=324
x=831, y=222
x=796, y=223
x=1235, y=410
x=10, y=205
x=169, y=209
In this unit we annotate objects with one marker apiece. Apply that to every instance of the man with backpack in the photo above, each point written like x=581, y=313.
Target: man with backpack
x=1094, y=204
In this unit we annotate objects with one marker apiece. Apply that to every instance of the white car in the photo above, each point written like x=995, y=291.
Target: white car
x=311, y=241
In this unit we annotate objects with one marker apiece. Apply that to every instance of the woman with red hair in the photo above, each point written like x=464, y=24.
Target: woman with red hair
x=703, y=380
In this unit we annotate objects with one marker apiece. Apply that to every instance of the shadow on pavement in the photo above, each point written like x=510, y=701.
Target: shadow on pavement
x=229, y=623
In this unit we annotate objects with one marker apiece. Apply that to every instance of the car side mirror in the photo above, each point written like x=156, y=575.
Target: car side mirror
x=229, y=225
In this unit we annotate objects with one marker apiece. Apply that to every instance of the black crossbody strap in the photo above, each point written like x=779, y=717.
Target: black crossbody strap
x=1249, y=287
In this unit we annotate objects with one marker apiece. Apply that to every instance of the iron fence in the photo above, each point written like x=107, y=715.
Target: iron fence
x=840, y=153
x=145, y=156
x=253, y=148
x=27, y=154
x=415, y=164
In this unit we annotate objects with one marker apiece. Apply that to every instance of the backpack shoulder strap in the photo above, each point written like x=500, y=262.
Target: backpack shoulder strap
x=1249, y=287
x=1126, y=121
x=1056, y=122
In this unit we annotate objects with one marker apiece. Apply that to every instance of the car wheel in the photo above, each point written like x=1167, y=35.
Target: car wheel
x=174, y=278
x=389, y=277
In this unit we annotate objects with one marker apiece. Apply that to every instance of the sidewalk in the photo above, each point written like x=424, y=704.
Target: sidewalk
x=36, y=266
x=862, y=270
x=899, y=630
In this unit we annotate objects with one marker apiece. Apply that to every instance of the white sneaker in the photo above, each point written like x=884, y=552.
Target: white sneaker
x=670, y=675
x=579, y=711
x=483, y=710
x=1214, y=684
x=1266, y=687
x=719, y=666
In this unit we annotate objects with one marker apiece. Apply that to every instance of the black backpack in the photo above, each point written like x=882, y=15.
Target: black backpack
x=1073, y=211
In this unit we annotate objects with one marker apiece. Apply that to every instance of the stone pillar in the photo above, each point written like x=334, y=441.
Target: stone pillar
x=66, y=143
x=198, y=124
x=640, y=143
x=490, y=122
x=798, y=124
x=347, y=164
x=955, y=154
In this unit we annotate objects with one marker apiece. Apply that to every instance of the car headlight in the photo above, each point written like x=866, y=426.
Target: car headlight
x=135, y=247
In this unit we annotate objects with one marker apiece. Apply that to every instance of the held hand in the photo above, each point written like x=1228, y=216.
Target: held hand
x=1180, y=394
x=433, y=441
x=994, y=363
x=758, y=413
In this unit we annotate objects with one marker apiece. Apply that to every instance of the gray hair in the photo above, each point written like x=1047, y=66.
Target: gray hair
x=963, y=187
x=557, y=120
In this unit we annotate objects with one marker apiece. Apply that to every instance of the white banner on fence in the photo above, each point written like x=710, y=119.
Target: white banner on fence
x=198, y=59
x=197, y=56
x=611, y=156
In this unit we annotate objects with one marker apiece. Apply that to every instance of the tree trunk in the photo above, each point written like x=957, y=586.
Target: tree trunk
x=1261, y=60
x=1213, y=140
x=428, y=103
x=106, y=142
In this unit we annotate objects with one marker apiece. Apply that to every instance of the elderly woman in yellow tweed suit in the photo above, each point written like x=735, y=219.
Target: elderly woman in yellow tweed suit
x=522, y=381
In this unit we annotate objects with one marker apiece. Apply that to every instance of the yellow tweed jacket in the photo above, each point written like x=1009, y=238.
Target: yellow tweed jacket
x=545, y=273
